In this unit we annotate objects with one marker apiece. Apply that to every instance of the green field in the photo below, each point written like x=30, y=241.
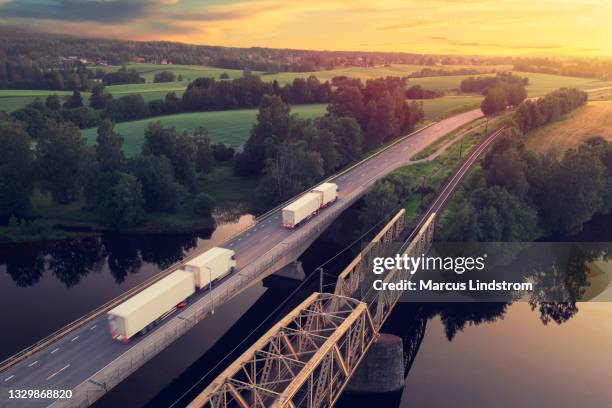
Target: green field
x=540, y=84
x=440, y=108
x=594, y=119
x=230, y=127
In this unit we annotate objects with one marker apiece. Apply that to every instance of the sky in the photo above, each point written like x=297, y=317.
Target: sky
x=483, y=27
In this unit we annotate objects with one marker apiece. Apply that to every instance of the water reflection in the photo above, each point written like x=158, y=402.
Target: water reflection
x=71, y=277
x=71, y=260
x=568, y=275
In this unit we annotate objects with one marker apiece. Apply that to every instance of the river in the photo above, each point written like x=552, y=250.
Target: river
x=492, y=355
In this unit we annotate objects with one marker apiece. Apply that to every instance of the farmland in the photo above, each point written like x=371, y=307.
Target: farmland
x=229, y=127
x=540, y=84
x=594, y=119
x=233, y=127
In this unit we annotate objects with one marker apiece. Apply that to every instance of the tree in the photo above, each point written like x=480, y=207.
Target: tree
x=159, y=189
x=16, y=169
x=61, y=153
x=348, y=101
x=109, y=148
x=99, y=97
x=204, y=155
x=184, y=161
x=490, y=214
x=164, y=76
x=346, y=131
x=291, y=170
x=272, y=123
x=516, y=94
x=379, y=202
x=122, y=204
x=53, y=102
x=179, y=148
x=203, y=205
x=574, y=191
x=74, y=101
x=495, y=101
x=222, y=152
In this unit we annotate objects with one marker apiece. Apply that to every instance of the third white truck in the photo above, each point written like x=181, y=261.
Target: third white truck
x=309, y=205
x=210, y=266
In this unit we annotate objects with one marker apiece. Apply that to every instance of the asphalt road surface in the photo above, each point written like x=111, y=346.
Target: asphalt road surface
x=76, y=357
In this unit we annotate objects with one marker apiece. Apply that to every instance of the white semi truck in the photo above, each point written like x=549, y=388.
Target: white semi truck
x=308, y=205
x=144, y=310
x=328, y=193
x=211, y=265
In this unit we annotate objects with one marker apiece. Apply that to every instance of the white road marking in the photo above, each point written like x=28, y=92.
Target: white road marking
x=9, y=377
x=74, y=338
x=33, y=364
x=93, y=327
x=239, y=239
x=54, y=350
x=265, y=237
x=57, y=372
x=232, y=244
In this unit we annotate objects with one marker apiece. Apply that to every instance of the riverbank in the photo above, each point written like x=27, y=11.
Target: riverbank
x=51, y=221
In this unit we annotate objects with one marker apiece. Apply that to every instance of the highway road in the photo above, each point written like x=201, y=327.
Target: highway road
x=77, y=356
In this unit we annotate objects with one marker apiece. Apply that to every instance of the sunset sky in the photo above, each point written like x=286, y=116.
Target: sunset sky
x=516, y=27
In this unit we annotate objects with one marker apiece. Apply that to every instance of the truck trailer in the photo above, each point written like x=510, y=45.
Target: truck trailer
x=301, y=209
x=148, y=307
x=328, y=193
x=211, y=265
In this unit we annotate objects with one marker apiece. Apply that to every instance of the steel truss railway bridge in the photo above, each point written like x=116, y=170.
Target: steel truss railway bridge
x=307, y=359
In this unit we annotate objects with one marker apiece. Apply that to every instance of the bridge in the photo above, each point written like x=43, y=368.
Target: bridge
x=83, y=358
x=309, y=356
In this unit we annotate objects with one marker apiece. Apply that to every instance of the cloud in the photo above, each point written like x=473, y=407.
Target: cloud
x=403, y=26
x=107, y=11
x=495, y=45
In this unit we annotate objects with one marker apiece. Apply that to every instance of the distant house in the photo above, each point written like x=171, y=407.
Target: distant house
x=164, y=61
x=138, y=59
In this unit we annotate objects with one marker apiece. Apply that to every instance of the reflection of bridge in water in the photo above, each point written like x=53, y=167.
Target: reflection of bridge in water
x=308, y=358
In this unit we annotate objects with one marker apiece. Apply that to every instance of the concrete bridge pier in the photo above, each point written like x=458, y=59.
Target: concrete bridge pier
x=382, y=369
x=292, y=271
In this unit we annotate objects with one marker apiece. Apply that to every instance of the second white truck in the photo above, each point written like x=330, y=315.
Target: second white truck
x=147, y=308
x=309, y=204
x=211, y=265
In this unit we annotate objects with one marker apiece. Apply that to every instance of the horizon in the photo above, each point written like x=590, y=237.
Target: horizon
x=452, y=27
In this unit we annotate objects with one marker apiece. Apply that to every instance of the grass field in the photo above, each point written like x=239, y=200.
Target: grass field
x=230, y=127
x=539, y=83
x=434, y=173
x=233, y=127
x=594, y=119
x=440, y=108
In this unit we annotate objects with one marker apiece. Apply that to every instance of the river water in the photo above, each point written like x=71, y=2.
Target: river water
x=498, y=355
